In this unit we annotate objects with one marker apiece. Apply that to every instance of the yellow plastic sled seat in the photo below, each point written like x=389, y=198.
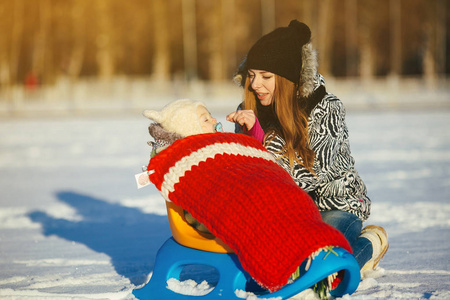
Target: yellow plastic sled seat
x=187, y=236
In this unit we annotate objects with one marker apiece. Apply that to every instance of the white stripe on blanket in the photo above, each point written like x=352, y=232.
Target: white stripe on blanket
x=174, y=174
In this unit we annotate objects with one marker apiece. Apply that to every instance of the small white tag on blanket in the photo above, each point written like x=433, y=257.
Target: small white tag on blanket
x=142, y=179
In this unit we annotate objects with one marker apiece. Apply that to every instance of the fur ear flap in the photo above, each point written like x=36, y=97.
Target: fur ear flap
x=153, y=115
x=241, y=74
x=159, y=133
x=308, y=71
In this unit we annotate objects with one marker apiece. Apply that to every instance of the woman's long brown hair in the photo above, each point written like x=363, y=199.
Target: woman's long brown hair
x=292, y=118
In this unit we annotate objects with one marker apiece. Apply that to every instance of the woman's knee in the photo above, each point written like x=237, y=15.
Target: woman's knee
x=347, y=223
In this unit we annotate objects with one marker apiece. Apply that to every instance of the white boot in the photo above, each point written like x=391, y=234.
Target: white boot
x=379, y=239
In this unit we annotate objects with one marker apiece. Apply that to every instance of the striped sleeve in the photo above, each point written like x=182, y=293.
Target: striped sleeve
x=302, y=177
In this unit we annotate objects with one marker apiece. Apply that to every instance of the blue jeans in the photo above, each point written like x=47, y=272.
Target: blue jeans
x=350, y=226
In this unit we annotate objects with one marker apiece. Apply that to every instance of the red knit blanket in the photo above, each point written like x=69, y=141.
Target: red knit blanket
x=230, y=183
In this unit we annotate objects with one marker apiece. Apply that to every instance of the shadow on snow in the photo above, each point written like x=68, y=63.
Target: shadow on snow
x=130, y=237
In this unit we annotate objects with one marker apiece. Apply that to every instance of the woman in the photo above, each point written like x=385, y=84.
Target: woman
x=287, y=107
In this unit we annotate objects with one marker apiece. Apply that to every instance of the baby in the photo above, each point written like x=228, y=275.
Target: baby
x=177, y=120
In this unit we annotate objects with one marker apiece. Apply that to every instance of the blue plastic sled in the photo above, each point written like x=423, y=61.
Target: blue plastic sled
x=173, y=257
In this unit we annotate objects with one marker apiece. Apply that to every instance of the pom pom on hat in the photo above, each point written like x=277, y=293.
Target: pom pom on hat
x=280, y=51
x=302, y=31
x=179, y=117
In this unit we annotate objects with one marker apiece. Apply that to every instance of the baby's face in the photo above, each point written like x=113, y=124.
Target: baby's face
x=207, y=122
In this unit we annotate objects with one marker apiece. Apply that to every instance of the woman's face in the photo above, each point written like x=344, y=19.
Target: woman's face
x=263, y=84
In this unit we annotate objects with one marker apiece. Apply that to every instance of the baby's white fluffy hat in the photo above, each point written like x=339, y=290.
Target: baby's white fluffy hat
x=179, y=116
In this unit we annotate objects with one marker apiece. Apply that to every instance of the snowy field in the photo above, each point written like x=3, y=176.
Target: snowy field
x=73, y=225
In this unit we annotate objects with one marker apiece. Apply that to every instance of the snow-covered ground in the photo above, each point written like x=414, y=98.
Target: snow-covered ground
x=73, y=225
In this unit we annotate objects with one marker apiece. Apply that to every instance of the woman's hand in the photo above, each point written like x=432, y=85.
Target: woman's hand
x=243, y=117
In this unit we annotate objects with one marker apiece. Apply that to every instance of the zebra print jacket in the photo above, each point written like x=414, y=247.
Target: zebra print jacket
x=336, y=184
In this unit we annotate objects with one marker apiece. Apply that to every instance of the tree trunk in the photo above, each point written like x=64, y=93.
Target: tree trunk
x=324, y=36
x=433, y=44
x=189, y=39
x=309, y=16
x=229, y=44
x=367, y=58
x=161, y=60
x=441, y=33
x=104, y=39
x=42, y=51
x=429, y=57
x=268, y=16
x=16, y=39
x=76, y=57
x=351, y=37
x=5, y=64
x=215, y=36
x=396, y=38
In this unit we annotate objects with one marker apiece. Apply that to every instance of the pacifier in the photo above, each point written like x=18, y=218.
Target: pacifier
x=218, y=127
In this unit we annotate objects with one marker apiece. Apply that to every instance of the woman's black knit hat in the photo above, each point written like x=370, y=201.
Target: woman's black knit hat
x=280, y=51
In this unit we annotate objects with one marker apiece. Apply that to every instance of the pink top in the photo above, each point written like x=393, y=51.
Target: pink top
x=257, y=132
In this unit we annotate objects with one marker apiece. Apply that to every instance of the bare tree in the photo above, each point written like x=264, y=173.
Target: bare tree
x=16, y=38
x=161, y=60
x=309, y=15
x=351, y=36
x=42, y=50
x=189, y=39
x=247, y=26
x=395, y=15
x=229, y=44
x=5, y=65
x=211, y=39
x=104, y=40
x=367, y=58
x=79, y=29
x=441, y=34
x=434, y=41
x=268, y=15
x=325, y=35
